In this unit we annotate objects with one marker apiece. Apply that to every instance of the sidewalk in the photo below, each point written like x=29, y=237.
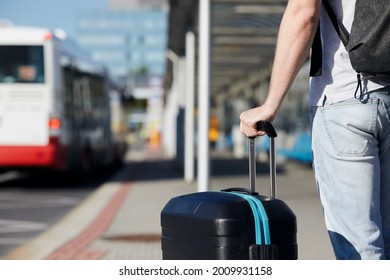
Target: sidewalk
x=121, y=219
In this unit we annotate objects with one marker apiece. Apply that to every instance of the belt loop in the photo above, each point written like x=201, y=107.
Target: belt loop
x=324, y=101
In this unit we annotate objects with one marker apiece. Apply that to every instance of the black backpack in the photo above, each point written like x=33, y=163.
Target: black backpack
x=368, y=44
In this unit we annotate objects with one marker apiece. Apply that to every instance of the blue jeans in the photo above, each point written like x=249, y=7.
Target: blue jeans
x=351, y=148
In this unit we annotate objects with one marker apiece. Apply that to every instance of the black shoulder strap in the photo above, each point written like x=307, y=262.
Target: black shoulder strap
x=316, y=56
x=340, y=29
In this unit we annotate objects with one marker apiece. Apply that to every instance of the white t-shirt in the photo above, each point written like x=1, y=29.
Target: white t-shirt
x=338, y=81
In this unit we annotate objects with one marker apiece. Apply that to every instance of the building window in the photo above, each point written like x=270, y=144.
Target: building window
x=149, y=24
x=101, y=40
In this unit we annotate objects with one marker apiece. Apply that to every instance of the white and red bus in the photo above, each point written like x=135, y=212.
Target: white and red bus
x=54, y=104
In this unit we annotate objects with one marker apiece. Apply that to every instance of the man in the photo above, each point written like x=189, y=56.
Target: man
x=350, y=133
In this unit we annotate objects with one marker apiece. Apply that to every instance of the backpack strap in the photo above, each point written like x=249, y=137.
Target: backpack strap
x=316, y=48
x=340, y=29
x=316, y=55
x=344, y=37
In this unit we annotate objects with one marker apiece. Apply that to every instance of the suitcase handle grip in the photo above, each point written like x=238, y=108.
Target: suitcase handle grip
x=267, y=127
x=270, y=131
x=240, y=190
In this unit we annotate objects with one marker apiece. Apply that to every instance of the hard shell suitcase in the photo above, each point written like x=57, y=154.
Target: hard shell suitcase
x=236, y=223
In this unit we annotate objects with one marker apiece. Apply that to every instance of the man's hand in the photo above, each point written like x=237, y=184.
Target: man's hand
x=250, y=118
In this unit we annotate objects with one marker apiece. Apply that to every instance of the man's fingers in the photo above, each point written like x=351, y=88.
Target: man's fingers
x=249, y=131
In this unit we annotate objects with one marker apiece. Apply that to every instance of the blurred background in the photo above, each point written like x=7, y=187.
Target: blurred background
x=143, y=47
x=82, y=83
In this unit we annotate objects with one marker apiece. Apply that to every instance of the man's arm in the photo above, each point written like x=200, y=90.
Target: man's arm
x=296, y=33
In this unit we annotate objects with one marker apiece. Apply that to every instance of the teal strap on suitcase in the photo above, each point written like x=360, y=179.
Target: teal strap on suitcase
x=263, y=249
x=262, y=233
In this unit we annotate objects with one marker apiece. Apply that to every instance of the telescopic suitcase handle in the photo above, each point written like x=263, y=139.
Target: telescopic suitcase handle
x=270, y=131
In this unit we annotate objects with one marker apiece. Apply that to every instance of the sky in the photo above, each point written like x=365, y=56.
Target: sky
x=53, y=14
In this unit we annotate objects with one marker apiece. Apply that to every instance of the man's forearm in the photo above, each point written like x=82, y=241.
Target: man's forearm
x=295, y=36
x=296, y=33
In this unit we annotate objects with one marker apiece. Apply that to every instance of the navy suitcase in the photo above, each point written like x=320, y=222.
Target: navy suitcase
x=234, y=224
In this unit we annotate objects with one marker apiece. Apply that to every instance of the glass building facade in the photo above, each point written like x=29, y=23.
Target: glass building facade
x=127, y=42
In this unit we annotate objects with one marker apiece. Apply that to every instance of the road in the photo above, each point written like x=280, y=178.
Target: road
x=29, y=205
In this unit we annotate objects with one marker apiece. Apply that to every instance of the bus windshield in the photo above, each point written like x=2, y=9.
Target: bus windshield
x=21, y=64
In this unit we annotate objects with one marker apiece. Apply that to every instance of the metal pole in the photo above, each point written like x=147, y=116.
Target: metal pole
x=170, y=136
x=189, y=108
x=204, y=96
x=272, y=163
x=252, y=164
